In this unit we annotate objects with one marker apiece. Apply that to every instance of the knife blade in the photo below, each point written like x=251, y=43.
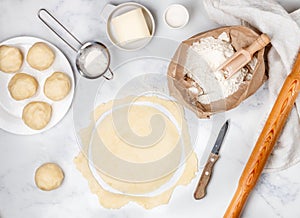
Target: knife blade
x=212, y=159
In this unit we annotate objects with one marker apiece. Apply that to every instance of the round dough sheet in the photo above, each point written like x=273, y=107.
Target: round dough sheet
x=116, y=185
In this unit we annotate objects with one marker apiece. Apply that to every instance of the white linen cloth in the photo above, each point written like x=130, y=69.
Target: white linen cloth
x=270, y=17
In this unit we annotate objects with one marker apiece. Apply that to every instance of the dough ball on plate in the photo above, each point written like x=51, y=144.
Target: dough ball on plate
x=57, y=86
x=40, y=56
x=11, y=59
x=22, y=86
x=49, y=176
x=37, y=114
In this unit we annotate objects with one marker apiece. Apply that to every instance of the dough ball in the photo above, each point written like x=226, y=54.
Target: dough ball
x=57, y=86
x=49, y=176
x=37, y=114
x=40, y=56
x=22, y=86
x=11, y=59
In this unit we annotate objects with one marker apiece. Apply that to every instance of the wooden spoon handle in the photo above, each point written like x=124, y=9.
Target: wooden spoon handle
x=258, y=44
x=266, y=141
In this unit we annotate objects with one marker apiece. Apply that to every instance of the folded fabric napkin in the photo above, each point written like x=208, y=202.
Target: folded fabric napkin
x=284, y=30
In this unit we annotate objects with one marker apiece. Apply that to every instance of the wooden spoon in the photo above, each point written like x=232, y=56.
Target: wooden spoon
x=243, y=56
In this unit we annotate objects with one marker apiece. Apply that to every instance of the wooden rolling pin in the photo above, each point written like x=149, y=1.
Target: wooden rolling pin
x=266, y=141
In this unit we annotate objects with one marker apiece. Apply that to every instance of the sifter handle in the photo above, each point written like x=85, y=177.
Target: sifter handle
x=40, y=16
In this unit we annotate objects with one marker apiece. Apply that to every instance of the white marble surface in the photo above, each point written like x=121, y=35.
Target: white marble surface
x=276, y=195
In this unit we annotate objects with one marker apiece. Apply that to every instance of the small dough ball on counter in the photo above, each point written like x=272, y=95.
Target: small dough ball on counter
x=11, y=59
x=22, y=86
x=40, y=56
x=49, y=176
x=57, y=86
x=37, y=114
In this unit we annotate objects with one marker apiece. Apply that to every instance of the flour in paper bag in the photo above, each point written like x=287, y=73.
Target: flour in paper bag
x=215, y=51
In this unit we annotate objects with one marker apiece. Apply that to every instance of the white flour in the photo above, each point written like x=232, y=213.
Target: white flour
x=214, y=52
x=94, y=61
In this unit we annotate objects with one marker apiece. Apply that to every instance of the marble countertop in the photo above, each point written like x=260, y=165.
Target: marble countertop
x=276, y=194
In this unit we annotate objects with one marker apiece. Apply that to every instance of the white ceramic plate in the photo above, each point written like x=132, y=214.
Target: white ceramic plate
x=11, y=110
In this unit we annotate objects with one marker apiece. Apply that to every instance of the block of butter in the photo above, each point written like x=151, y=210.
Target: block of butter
x=130, y=26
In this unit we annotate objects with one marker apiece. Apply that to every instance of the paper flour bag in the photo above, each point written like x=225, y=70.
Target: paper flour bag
x=193, y=78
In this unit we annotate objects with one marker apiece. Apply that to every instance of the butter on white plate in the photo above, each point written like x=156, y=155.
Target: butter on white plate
x=130, y=26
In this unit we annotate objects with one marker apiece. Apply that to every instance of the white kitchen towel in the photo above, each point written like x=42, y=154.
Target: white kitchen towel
x=270, y=17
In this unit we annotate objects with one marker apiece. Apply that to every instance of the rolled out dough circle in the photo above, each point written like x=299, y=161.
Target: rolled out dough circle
x=113, y=200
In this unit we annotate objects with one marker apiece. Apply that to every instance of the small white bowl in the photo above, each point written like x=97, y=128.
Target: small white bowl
x=110, y=11
x=176, y=16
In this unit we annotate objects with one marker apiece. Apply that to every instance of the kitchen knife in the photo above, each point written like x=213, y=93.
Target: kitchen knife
x=212, y=159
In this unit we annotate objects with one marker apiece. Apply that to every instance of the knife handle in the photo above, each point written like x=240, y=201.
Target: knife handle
x=205, y=176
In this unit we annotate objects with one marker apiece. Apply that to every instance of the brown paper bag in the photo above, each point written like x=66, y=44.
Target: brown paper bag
x=178, y=82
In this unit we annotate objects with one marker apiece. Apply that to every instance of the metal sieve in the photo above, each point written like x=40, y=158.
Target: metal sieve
x=93, y=58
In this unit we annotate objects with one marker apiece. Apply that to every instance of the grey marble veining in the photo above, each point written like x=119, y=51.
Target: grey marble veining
x=276, y=194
